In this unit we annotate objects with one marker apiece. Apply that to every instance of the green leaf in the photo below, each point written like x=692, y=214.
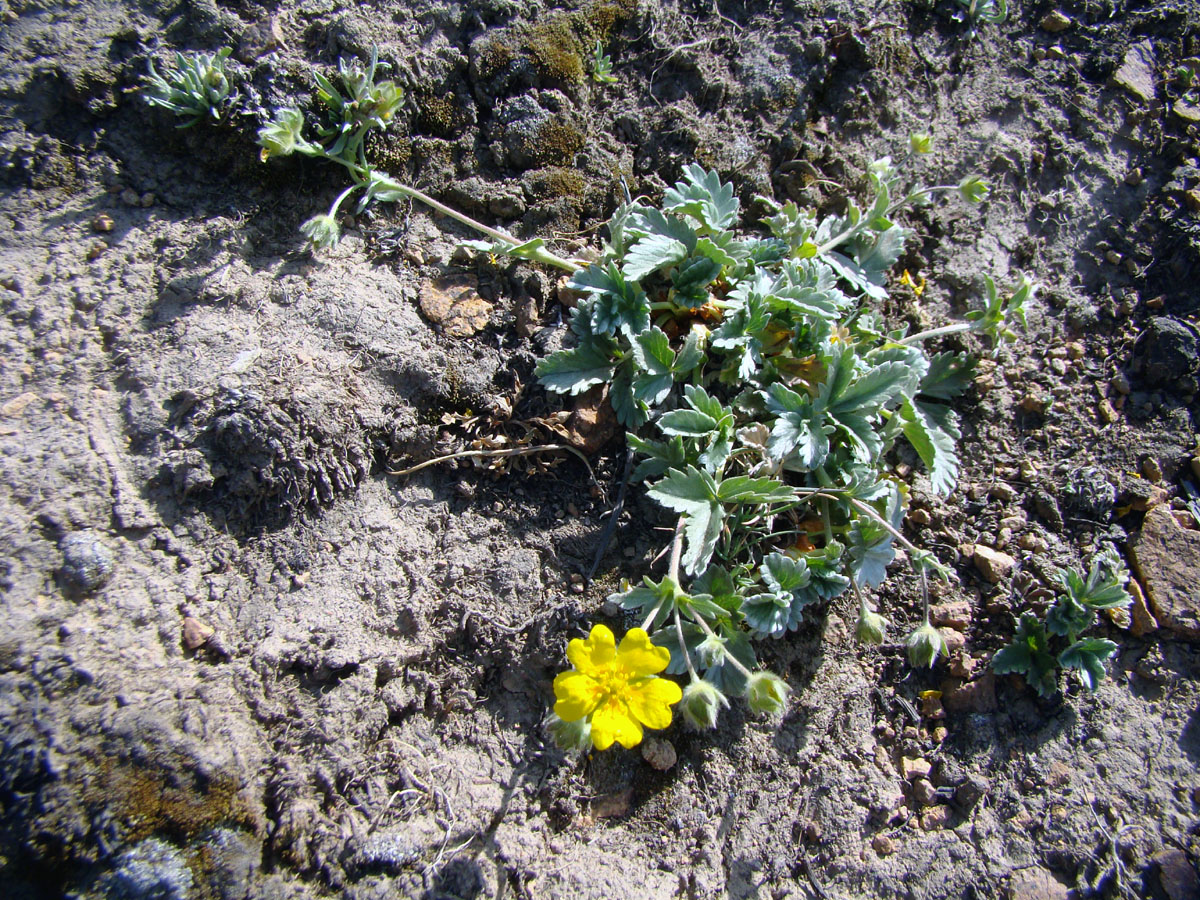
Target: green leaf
x=650, y=254
x=687, y=423
x=932, y=429
x=718, y=252
x=702, y=196
x=870, y=544
x=645, y=221
x=744, y=489
x=631, y=412
x=949, y=375
x=694, y=276
x=690, y=355
x=1029, y=655
x=655, y=359
x=574, y=371
x=800, y=427
x=1067, y=617
x=693, y=493
x=871, y=392
x=662, y=455
x=767, y=613
x=1087, y=658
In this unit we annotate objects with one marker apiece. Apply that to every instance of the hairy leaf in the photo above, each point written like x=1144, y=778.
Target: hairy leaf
x=650, y=254
x=702, y=196
x=1087, y=658
x=932, y=429
x=574, y=371
x=1029, y=655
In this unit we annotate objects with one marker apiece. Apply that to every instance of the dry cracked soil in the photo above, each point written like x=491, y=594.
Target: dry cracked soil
x=242, y=659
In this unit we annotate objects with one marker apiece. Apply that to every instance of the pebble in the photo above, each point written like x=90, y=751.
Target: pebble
x=924, y=792
x=103, y=223
x=913, y=769
x=1055, y=22
x=992, y=564
x=659, y=753
x=883, y=845
x=935, y=817
x=196, y=633
x=87, y=562
x=971, y=791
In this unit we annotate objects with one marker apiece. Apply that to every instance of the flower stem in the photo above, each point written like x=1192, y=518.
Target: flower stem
x=707, y=629
x=687, y=657
x=956, y=328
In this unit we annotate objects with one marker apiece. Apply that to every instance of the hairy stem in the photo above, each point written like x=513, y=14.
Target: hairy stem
x=944, y=330
x=687, y=657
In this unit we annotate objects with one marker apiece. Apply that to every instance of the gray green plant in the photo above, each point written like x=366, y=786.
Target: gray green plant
x=197, y=88
x=351, y=109
x=1040, y=649
x=981, y=12
x=602, y=66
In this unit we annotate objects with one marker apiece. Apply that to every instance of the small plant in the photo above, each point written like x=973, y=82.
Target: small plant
x=763, y=395
x=197, y=89
x=979, y=12
x=1040, y=649
x=361, y=105
x=602, y=66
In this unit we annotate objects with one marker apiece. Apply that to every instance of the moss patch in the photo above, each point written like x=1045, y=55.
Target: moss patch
x=554, y=182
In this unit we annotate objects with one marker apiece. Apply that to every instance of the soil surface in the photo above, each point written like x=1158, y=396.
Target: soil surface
x=240, y=659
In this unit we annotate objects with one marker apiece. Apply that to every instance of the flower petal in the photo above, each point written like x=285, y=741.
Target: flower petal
x=596, y=651
x=612, y=722
x=577, y=695
x=638, y=656
x=650, y=701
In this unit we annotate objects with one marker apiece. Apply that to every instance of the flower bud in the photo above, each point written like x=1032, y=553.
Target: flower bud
x=920, y=141
x=871, y=627
x=711, y=651
x=925, y=645
x=973, y=189
x=321, y=231
x=766, y=693
x=570, y=736
x=701, y=704
x=281, y=137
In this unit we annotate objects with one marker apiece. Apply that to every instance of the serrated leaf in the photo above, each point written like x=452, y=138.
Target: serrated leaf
x=574, y=371
x=1029, y=655
x=695, y=275
x=949, y=375
x=690, y=355
x=687, y=423
x=726, y=677
x=693, y=493
x=655, y=359
x=631, y=412
x=647, y=221
x=744, y=489
x=767, y=613
x=700, y=400
x=717, y=252
x=650, y=254
x=1087, y=658
x=932, y=430
x=1067, y=617
x=662, y=455
x=784, y=575
x=870, y=548
x=872, y=391
x=703, y=196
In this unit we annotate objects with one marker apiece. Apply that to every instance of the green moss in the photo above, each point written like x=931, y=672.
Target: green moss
x=390, y=152
x=170, y=798
x=558, y=142
x=554, y=182
x=440, y=114
x=556, y=49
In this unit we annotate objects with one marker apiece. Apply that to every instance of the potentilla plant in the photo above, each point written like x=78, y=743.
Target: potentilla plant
x=762, y=391
x=763, y=394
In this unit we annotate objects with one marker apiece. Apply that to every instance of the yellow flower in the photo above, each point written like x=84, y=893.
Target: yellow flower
x=616, y=687
x=918, y=287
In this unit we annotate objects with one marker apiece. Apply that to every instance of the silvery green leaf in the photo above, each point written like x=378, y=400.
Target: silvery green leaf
x=654, y=357
x=767, y=613
x=1029, y=655
x=631, y=412
x=704, y=197
x=1087, y=658
x=687, y=423
x=693, y=493
x=1067, y=616
x=932, y=429
x=650, y=254
x=744, y=489
x=574, y=371
x=948, y=376
x=661, y=456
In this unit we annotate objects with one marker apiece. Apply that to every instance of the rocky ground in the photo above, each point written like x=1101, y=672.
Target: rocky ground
x=242, y=660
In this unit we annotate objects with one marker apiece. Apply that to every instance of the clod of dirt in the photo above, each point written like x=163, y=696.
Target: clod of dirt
x=267, y=458
x=151, y=869
x=87, y=562
x=1166, y=558
x=1035, y=883
x=455, y=305
x=196, y=633
x=660, y=754
x=1175, y=875
x=1168, y=350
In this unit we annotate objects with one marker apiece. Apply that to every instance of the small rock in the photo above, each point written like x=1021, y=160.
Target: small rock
x=103, y=223
x=1035, y=883
x=1186, y=111
x=993, y=565
x=1108, y=412
x=455, y=304
x=1166, y=558
x=883, y=845
x=1136, y=73
x=961, y=665
x=913, y=768
x=935, y=818
x=566, y=296
x=659, y=753
x=1055, y=21
x=955, y=640
x=196, y=633
x=924, y=792
x=613, y=806
x=978, y=696
x=130, y=197
x=1002, y=491
x=955, y=614
x=87, y=562
x=1151, y=469
x=592, y=423
x=971, y=791
x=1176, y=875
x=17, y=404
x=260, y=39
x=152, y=869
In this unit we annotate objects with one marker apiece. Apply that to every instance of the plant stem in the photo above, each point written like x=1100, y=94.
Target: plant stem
x=672, y=573
x=956, y=328
x=707, y=629
x=687, y=657
x=542, y=255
